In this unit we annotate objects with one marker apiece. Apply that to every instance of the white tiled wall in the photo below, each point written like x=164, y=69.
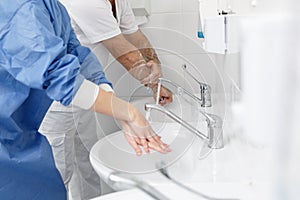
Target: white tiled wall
x=172, y=30
x=166, y=6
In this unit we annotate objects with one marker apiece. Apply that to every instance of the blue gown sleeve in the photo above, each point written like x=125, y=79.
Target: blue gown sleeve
x=91, y=69
x=33, y=53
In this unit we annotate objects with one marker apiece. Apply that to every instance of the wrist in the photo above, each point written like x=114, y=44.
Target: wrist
x=133, y=113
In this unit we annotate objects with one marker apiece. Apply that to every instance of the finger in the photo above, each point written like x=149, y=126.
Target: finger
x=170, y=99
x=159, y=74
x=158, y=145
x=133, y=144
x=165, y=101
x=146, y=80
x=161, y=143
x=154, y=137
x=153, y=85
x=150, y=80
x=137, y=140
x=145, y=145
x=157, y=136
x=165, y=92
x=150, y=63
x=166, y=97
x=162, y=101
x=154, y=78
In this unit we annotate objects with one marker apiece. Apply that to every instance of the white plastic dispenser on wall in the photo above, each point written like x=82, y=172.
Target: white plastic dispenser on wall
x=141, y=10
x=221, y=34
x=221, y=31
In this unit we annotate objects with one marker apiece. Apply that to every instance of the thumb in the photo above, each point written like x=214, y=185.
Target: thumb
x=150, y=63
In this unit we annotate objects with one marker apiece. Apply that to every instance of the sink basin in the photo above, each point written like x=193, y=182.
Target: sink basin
x=180, y=141
x=240, y=170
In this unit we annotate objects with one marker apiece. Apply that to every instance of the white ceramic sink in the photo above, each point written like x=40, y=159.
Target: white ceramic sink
x=239, y=170
x=114, y=153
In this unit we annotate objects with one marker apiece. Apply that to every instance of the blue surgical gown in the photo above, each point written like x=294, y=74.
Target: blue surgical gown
x=40, y=60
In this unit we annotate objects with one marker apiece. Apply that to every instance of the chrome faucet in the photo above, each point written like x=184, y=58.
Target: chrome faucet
x=205, y=89
x=214, y=125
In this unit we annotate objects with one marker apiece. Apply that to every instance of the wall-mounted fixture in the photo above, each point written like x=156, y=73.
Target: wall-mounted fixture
x=221, y=34
x=141, y=10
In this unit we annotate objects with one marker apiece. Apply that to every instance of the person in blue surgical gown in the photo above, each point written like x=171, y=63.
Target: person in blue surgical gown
x=41, y=60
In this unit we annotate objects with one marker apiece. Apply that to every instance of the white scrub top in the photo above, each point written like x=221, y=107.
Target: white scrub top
x=93, y=21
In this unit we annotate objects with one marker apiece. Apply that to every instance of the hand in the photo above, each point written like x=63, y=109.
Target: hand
x=136, y=128
x=152, y=79
x=138, y=132
x=165, y=96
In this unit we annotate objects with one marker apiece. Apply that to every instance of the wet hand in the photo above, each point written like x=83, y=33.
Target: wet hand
x=165, y=96
x=152, y=79
x=139, y=133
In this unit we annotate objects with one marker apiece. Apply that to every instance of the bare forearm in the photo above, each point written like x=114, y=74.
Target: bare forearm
x=135, y=64
x=140, y=41
x=118, y=46
x=108, y=104
x=128, y=55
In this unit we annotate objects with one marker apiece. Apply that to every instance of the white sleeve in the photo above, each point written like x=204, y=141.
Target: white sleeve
x=86, y=95
x=94, y=18
x=127, y=23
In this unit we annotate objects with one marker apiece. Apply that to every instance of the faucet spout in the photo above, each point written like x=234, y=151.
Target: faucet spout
x=205, y=92
x=214, y=123
x=149, y=107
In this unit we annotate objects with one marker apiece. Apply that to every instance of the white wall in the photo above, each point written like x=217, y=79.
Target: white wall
x=172, y=30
